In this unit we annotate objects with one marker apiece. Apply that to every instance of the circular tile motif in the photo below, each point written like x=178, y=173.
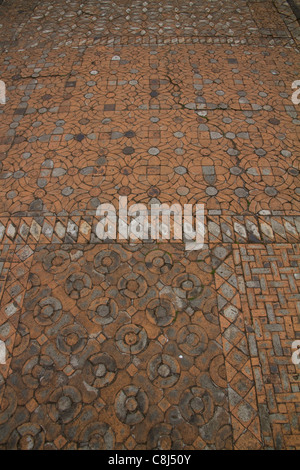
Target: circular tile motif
x=131, y=405
x=164, y=437
x=28, y=436
x=196, y=406
x=38, y=371
x=103, y=311
x=187, y=286
x=78, y=285
x=192, y=340
x=131, y=339
x=48, y=311
x=160, y=312
x=132, y=285
x=97, y=436
x=9, y=404
x=107, y=261
x=64, y=404
x=163, y=370
x=101, y=370
x=217, y=371
x=72, y=339
x=159, y=262
x=56, y=262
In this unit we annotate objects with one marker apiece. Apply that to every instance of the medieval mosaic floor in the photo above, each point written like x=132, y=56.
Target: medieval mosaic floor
x=147, y=345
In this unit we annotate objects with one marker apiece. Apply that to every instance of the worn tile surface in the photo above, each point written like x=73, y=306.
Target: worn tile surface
x=148, y=345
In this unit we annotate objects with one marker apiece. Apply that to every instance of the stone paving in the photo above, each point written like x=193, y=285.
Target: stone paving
x=147, y=345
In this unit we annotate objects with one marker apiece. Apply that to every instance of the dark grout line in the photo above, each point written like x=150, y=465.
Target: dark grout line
x=295, y=8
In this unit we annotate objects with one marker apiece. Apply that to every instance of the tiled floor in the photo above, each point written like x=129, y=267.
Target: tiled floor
x=147, y=345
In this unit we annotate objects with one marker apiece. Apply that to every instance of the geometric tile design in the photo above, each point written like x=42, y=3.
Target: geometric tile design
x=14, y=276
x=92, y=341
x=127, y=346
x=239, y=369
x=219, y=228
x=270, y=303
